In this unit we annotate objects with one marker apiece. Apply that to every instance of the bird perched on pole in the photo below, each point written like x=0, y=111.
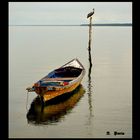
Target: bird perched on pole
x=90, y=14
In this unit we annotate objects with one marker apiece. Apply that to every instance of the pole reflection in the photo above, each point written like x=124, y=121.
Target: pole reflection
x=90, y=85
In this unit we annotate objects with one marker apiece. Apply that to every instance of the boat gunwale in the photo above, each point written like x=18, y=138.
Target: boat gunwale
x=63, y=66
x=75, y=80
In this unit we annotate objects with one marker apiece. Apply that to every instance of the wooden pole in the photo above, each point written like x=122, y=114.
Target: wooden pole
x=89, y=44
x=90, y=32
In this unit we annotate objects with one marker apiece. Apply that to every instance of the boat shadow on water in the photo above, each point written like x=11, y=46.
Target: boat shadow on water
x=54, y=110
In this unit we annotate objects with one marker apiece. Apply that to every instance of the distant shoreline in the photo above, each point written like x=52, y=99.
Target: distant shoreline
x=98, y=24
x=109, y=24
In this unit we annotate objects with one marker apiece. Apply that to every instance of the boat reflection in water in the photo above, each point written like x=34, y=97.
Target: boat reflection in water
x=53, y=110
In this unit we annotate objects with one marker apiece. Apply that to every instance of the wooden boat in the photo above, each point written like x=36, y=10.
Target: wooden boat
x=54, y=110
x=59, y=81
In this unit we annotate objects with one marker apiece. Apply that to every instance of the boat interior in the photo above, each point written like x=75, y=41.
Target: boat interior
x=65, y=74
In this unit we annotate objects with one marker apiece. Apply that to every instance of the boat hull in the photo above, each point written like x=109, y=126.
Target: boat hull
x=52, y=94
x=62, y=80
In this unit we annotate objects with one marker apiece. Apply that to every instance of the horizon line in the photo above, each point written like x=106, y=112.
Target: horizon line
x=95, y=24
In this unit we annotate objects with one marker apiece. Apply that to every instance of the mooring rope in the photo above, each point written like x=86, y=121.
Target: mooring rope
x=27, y=101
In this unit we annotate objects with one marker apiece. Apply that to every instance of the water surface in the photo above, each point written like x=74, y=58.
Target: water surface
x=106, y=104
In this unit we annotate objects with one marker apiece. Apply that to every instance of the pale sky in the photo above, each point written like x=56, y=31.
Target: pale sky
x=60, y=13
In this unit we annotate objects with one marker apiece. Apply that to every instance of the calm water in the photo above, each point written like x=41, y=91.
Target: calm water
x=103, y=103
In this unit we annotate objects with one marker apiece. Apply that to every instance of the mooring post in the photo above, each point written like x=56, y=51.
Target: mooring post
x=89, y=43
x=90, y=32
x=90, y=27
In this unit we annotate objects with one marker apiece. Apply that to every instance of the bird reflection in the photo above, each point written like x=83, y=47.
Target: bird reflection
x=54, y=110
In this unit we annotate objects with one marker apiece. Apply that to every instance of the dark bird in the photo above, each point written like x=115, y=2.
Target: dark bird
x=90, y=14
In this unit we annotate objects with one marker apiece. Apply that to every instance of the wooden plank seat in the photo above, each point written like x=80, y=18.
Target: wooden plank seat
x=59, y=79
